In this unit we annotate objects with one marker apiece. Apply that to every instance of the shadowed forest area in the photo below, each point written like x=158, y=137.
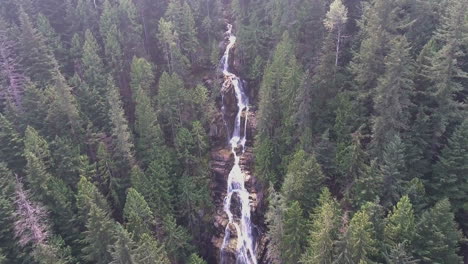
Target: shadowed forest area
x=233, y=131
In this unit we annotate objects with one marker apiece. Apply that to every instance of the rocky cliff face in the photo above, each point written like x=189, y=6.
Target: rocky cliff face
x=221, y=164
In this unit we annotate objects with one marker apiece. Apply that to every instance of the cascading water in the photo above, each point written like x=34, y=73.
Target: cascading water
x=245, y=253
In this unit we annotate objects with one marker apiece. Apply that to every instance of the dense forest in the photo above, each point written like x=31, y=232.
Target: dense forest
x=114, y=115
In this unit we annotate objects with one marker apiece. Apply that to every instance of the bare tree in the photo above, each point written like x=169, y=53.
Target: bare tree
x=10, y=69
x=335, y=20
x=30, y=226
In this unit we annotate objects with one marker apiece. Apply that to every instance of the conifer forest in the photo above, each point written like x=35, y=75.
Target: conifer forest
x=233, y=131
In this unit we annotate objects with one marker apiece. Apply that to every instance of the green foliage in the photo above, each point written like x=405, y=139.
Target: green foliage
x=34, y=54
x=137, y=214
x=294, y=238
x=99, y=236
x=437, y=235
x=324, y=230
x=176, y=239
x=11, y=150
x=195, y=259
x=449, y=179
x=400, y=224
x=150, y=251
x=123, y=251
x=357, y=244
x=303, y=178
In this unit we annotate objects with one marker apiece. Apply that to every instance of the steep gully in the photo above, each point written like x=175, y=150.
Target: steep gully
x=237, y=238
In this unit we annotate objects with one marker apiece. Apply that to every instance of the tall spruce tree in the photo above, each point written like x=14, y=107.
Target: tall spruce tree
x=437, y=235
x=324, y=230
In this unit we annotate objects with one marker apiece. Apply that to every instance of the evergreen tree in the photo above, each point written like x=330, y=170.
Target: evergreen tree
x=123, y=146
x=169, y=39
x=400, y=224
x=62, y=117
x=195, y=259
x=392, y=95
x=437, y=235
x=449, y=179
x=94, y=89
x=11, y=150
x=160, y=194
x=180, y=14
x=149, y=251
x=88, y=196
x=444, y=70
x=67, y=161
x=35, y=56
x=99, y=236
x=123, y=251
x=294, y=238
x=393, y=172
x=304, y=176
x=142, y=76
x=51, y=38
x=358, y=243
x=280, y=81
x=176, y=239
x=324, y=230
x=171, y=97
x=137, y=214
x=274, y=220
x=149, y=137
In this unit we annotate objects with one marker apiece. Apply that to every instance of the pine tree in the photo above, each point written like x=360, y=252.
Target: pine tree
x=160, y=194
x=35, y=56
x=444, y=70
x=62, y=117
x=324, y=230
x=38, y=162
x=137, y=214
x=35, y=108
x=8, y=245
x=437, y=235
x=294, y=238
x=304, y=177
x=351, y=161
x=88, y=196
x=195, y=259
x=149, y=251
x=399, y=255
x=274, y=219
x=11, y=150
x=393, y=94
x=149, y=137
x=99, y=236
x=393, y=172
x=449, y=179
x=280, y=81
x=142, y=76
x=176, y=239
x=169, y=39
x=357, y=244
x=93, y=89
x=400, y=224
x=123, y=145
x=180, y=14
x=67, y=160
x=123, y=251
x=171, y=97
x=51, y=38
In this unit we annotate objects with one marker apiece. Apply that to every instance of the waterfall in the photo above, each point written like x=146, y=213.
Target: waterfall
x=245, y=253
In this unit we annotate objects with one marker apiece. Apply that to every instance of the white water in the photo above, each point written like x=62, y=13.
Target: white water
x=245, y=253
